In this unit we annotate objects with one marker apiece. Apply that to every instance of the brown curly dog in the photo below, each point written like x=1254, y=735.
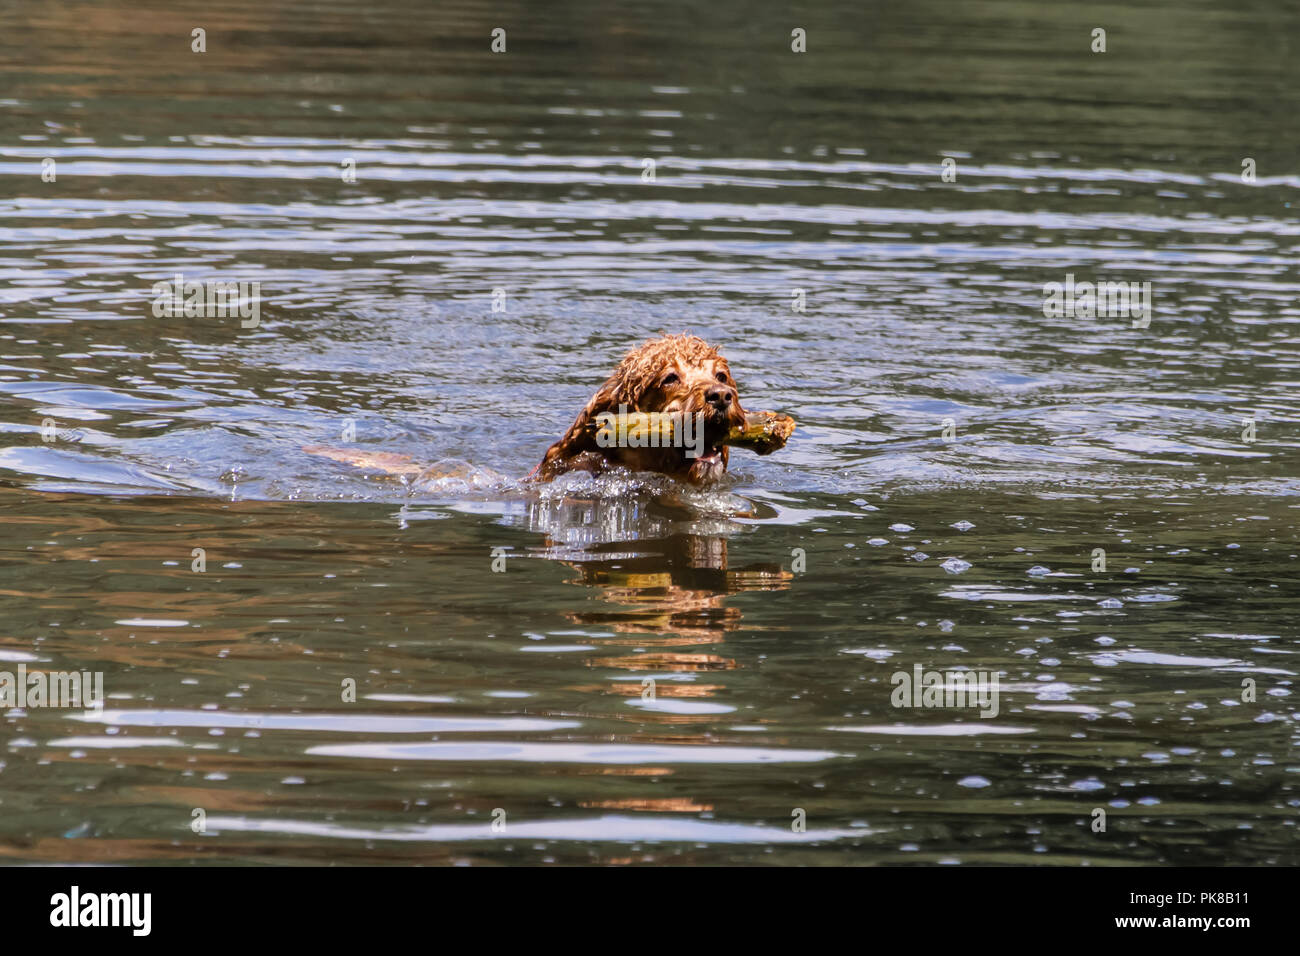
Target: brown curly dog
x=674, y=373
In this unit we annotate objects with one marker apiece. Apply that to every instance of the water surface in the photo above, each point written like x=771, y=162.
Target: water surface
x=500, y=639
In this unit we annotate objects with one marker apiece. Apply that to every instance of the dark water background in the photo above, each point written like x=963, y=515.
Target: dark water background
x=521, y=691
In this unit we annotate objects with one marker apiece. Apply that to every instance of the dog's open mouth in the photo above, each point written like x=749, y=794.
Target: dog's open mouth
x=710, y=463
x=708, y=467
x=712, y=455
x=715, y=429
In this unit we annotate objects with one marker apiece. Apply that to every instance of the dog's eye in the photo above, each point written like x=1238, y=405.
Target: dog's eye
x=670, y=378
x=722, y=377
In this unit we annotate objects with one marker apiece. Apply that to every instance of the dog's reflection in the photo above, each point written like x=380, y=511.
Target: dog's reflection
x=666, y=567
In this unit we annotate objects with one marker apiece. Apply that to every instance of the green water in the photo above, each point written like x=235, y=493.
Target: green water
x=334, y=667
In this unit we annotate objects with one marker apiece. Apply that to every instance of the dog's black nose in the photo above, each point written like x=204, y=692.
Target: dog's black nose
x=720, y=397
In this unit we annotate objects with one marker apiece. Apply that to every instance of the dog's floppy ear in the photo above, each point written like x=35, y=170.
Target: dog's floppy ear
x=581, y=436
x=633, y=377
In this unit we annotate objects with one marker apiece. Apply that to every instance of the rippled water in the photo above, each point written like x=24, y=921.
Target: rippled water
x=959, y=458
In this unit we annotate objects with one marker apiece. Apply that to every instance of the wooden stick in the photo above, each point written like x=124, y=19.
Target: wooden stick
x=763, y=432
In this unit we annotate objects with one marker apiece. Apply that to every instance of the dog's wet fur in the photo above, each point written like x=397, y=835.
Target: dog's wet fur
x=675, y=374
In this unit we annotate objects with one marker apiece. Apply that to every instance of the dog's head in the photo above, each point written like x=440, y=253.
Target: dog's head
x=679, y=374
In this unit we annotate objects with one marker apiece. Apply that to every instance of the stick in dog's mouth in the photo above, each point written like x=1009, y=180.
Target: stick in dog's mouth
x=760, y=432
